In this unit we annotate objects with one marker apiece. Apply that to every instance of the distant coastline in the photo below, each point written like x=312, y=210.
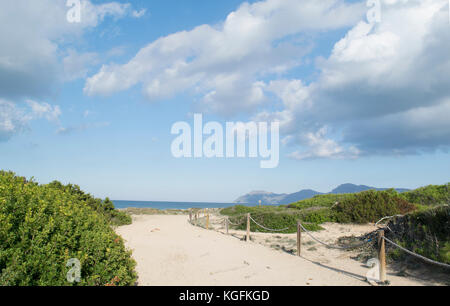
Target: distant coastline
x=121, y=204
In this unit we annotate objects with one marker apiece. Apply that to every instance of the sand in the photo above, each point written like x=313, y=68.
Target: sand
x=171, y=252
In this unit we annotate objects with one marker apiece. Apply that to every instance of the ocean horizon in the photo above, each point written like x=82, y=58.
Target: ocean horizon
x=122, y=204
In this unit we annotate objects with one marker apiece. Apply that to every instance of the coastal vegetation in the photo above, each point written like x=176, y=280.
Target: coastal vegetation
x=360, y=208
x=432, y=195
x=424, y=232
x=421, y=222
x=105, y=208
x=43, y=227
x=363, y=207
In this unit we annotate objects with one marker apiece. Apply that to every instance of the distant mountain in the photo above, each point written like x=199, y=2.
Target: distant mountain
x=351, y=188
x=298, y=196
x=269, y=198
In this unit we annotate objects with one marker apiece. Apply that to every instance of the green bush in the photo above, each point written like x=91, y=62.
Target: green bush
x=106, y=207
x=425, y=232
x=277, y=217
x=371, y=206
x=240, y=209
x=430, y=195
x=318, y=216
x=323, y=200
x=42, y=227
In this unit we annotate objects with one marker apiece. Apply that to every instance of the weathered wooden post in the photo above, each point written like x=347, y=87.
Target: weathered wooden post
x=299, y=239
x=196, y=218
x=226, y=225
x=382, y=255
x=190, y=216
x=207, y=220
x=248, y=228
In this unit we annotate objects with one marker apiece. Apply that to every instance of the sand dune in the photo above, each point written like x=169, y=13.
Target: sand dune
x=171, y=252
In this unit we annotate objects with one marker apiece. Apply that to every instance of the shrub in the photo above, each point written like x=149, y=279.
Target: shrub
x=425, y=232
x=371, y=206
x=323, y=200
x=276, y=217
x=241, y=209
x=430, y=195
x=42, y=227
x=318, y=216
x=106, y=207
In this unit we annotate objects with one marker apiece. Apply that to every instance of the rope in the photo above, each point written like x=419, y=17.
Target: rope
x=385, y=218
x=349, y=246
x=235, y=223
x=269, y=229
x=417, y=255
x=332, y=246
x=390, y=217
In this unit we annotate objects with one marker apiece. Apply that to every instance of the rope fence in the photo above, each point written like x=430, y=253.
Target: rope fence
x=417, y=255
x=332, y=246
x=370, y=238
x=268, y=229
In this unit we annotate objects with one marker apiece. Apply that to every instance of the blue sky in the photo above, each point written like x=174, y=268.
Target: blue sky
x=93, y=103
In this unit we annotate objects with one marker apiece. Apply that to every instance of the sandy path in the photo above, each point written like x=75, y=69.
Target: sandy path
x=170, y=252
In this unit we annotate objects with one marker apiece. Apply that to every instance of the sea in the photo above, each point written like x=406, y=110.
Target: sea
x=171, y=205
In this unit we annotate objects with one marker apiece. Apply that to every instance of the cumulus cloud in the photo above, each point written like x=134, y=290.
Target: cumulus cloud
x=224, y=64
x=12, y=120
x=44, y=110
x=76, y=65
x=15, y=119
x=383, y=89
x=34, y=57
x=30, y=45
x=319, y=146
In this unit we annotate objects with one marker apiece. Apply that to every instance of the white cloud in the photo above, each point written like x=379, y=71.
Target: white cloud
x=44, y=110
x=139, y=14
x=382, y=90
x=373, y=91
x=15, y=120
x=38, y=53
x=82, y=127
x=77, y=65
x=39, y=30
x=92, y=14
x=293, y=93
x=12, y=120
x=319, y=146
x=224, y=64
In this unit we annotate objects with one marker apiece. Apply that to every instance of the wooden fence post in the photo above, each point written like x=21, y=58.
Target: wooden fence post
x=196, y=219
x=190, y=216
x=248, y=228
x=382, y=255
x=299, y=239
x=207, y=220
x=226, y=224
